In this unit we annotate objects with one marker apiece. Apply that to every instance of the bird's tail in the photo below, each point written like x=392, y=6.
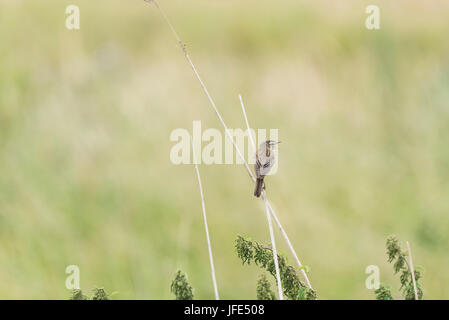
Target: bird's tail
x=258, y=188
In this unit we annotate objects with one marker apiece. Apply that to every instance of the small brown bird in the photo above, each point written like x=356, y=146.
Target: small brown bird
x=264, y=162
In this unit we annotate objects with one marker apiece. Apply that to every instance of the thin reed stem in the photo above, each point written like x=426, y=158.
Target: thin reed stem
x=289, y=244
x=203, y=205
x=412, y=270
x=275, y=253
x=203, y=86
x=250, y=134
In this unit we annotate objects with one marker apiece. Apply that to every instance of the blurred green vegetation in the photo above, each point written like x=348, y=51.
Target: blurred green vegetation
x=85, y=119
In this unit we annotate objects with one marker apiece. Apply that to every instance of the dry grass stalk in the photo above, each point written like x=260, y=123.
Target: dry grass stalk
x=412, y=270
x=203, y=205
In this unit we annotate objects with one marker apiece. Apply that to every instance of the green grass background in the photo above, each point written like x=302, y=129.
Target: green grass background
x=85, y=119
